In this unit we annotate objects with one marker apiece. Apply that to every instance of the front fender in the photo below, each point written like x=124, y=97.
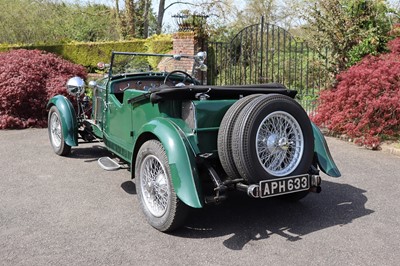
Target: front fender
x=181, y=160
x=324, y=157
x=68, y=118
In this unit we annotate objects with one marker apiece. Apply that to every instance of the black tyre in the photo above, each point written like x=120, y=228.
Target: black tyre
x=158, y=200
x=272, y=138
x=56, y=134
x=225, y=133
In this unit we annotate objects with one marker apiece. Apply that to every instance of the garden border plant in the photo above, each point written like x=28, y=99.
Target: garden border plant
x=365, y=102
x=28, y=79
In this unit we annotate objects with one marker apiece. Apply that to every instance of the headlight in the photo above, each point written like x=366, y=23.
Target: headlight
x=75, y=86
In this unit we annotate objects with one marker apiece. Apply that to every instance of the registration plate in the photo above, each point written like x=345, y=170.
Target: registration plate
x=285, y=185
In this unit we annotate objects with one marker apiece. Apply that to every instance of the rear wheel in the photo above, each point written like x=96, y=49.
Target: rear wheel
x=56, y=134
x=158, y=200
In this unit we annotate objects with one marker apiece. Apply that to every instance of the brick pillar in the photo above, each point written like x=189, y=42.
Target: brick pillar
x=187, y=43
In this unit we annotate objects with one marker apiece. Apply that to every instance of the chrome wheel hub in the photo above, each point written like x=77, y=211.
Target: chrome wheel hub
x=283, y=144
x=274, y=143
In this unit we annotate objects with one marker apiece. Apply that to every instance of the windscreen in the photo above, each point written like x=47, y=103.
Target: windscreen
x=126, y=63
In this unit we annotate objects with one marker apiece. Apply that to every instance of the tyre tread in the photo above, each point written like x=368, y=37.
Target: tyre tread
x=225, y=134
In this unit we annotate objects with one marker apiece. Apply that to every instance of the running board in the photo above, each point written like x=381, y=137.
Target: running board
x=108, y=164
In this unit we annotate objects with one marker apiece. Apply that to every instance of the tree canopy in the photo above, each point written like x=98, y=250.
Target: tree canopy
x=46, y=21
x=350, y=29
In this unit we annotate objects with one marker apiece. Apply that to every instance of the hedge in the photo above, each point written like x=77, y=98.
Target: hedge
x=89, y=54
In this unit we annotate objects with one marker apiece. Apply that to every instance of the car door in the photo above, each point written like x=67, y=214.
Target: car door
x=117, y=126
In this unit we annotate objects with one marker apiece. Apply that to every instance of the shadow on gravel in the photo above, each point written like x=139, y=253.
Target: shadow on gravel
x=90, y=153
x=129, y=187
x=248, y=219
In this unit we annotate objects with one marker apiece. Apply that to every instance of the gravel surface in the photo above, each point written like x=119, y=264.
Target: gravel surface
x=68, y=211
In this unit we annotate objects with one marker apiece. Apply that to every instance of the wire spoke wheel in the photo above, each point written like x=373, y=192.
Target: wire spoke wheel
x=154, y=185
x=158, y=200
x=55, y=129
x=279, y=143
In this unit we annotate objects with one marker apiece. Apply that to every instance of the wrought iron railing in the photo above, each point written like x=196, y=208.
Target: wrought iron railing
x=266, y=53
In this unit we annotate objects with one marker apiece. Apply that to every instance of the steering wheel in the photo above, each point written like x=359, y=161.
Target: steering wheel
x=185, y=76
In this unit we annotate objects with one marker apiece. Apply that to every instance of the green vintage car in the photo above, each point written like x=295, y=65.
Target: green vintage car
x=189, y=144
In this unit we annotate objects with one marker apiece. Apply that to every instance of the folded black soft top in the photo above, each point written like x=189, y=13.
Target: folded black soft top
x=217, y=92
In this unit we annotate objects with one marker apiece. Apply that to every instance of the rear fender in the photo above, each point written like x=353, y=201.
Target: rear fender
x=68, y=118
x=181, y=158
x=323, y=155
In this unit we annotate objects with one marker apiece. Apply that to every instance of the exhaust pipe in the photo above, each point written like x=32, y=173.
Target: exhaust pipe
x=252, y=190
x=315, y=184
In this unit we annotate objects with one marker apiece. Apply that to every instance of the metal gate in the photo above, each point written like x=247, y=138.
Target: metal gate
x=266, y=53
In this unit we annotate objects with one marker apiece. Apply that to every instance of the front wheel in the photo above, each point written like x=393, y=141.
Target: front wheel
x=158, y=200
x=56, y=134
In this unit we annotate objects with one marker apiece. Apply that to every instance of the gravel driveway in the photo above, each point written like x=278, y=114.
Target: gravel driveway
x=68, y=211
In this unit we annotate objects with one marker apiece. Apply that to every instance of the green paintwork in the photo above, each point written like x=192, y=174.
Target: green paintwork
x=181, y=159
x=68, y=118
x=117, y=127
x=209, y=115
x=125, y=123
x=325, y=160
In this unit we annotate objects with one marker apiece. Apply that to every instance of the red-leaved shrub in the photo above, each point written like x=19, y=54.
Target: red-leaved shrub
x=365, y=102
x=28, y=79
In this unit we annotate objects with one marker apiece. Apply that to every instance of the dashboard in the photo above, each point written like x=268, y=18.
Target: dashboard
x=142, y=85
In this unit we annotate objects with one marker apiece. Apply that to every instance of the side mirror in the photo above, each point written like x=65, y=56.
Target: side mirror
x=75, y=86
x=201, y=57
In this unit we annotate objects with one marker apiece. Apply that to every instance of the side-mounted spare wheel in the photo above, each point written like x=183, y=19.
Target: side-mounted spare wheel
x=56, y=135
x=158, y=200
x=272, y=138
